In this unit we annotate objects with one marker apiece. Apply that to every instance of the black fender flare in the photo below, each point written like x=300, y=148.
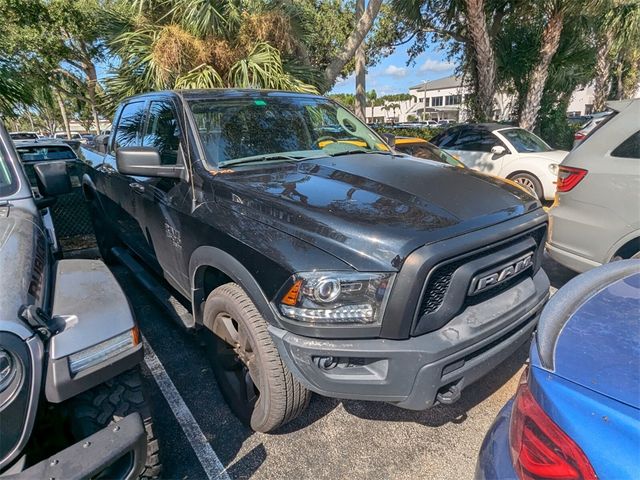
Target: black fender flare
x=207, y=256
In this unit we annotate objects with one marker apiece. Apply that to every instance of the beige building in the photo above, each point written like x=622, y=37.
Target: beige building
x=444, y=99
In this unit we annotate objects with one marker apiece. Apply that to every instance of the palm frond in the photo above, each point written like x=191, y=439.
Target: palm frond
x=203, y=76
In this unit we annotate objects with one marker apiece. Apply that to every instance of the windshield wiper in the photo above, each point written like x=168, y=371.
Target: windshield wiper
x=359, y=150
x=261, y=158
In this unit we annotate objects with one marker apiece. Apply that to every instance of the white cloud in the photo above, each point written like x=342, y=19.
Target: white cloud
x=345, y=80
x=395, y=71
x=436, y=66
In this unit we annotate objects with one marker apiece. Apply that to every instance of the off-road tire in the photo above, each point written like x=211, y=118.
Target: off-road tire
x=532, y=183
x=111, y=401
x=281, y=397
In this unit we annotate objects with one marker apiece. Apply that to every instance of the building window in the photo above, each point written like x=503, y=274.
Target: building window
x=436, y=101
x=425, y=101
x=453, y=99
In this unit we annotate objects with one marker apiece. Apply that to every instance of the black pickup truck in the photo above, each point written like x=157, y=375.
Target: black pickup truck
x=316, y=257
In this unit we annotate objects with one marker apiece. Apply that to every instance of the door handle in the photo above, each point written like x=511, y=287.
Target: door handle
x=137, y=188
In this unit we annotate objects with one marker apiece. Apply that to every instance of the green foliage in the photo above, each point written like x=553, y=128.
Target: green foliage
x=397, y=97
x=425, y=133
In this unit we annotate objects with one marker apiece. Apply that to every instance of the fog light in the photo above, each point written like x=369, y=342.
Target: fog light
x=92, y=356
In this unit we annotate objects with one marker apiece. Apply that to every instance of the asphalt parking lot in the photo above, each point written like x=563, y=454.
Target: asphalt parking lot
x=200, y=437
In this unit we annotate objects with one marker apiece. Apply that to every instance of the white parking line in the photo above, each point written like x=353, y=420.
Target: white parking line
x=206, y=455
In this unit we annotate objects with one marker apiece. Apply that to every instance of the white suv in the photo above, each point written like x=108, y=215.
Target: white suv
x=596, y=216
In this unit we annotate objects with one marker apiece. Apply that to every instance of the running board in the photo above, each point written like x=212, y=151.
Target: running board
x=160, y=293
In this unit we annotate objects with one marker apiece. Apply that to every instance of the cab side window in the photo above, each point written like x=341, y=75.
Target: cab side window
x=630, y=148
x=163, y=132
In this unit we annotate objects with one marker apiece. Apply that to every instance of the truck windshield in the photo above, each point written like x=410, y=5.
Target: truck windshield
x=279, y=128
x=8, y=183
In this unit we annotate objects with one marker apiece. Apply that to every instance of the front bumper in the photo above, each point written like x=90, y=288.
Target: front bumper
x=89, y=457
x=420, y=371
x=494, y=459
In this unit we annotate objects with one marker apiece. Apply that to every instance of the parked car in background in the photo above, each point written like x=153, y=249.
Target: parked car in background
x=71, y=400
x=445, y=122
x=507, y=152
x=418, y=147
x=24, y=136
x=315, y=259
x=64, y=136
x=592, y=123
x=596, y=215
x=576, y=414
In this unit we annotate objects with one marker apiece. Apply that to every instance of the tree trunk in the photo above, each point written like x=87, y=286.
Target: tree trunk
x=92, y=81
x=603, y=67
x=361, y=72
x=63, y=112
x=538, y=79
x=485, y=61
x=353, y=42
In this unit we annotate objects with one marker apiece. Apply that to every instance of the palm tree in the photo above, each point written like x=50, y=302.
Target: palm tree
x=165, y=44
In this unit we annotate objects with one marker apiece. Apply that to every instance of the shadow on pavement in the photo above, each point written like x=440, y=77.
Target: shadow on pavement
x=440, y=415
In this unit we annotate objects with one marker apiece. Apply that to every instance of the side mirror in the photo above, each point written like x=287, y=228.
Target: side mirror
x=498, y=150
x=52, y=178
x=145, y=162
x=390, y=138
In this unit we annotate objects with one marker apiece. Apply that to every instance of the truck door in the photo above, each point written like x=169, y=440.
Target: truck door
x=114, y=188
x=164, y=201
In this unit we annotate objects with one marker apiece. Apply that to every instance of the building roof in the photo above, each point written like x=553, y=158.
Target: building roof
x=447, y=82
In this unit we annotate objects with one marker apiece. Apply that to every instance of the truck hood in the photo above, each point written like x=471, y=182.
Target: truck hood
x=371, y=210
x=23, y=260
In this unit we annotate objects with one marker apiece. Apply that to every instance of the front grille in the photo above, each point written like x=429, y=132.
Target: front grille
x=439, y=280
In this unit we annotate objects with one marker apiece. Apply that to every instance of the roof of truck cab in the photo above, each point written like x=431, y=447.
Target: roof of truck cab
x=214, y=93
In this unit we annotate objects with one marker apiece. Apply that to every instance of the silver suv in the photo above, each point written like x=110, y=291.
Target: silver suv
x=596, y=215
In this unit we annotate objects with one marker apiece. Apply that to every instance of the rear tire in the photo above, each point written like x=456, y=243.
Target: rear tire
x=254, y=381
x=530, y=182
x=111, y=401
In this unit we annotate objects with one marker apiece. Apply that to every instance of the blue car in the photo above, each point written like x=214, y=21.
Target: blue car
x=576, y=414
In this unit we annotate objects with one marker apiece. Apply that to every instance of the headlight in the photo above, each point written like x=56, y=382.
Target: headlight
x=8, y=368
x=336, y=297
x=553, y=168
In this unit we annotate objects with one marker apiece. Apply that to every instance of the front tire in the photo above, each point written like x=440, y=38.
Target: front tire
x=530, y=182
x=111, y=401
x=254, y=381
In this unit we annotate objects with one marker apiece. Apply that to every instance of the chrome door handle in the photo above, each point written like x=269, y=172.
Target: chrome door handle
x=137, y=187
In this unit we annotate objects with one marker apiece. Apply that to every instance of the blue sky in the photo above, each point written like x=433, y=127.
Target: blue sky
x=392, y=75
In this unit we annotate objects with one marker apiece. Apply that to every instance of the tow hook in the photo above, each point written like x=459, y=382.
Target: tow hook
x=449, y=394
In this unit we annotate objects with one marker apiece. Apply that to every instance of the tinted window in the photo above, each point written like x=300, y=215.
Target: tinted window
x=163, y=132
x=431, y=152
x=130, y=125
x=630, y=148
x=446, y=138
x=475, y=140
x=23, y=136
x=8, y=183
x=39, y=153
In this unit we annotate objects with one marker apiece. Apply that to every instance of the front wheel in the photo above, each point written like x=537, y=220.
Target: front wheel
x=530, y=182
x=254, y=381
x=109, y=402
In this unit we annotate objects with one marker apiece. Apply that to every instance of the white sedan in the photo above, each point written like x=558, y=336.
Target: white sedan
x=507, y=152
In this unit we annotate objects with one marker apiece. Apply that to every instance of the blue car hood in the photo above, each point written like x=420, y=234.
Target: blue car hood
x=599, y=347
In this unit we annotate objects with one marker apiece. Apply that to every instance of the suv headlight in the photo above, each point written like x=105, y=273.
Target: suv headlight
x=336, y=297
x=8, y=368
x=553, y=168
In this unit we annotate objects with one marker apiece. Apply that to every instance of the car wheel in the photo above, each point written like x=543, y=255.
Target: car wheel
x=109, y=402
x=254, y=381
x=530, y=182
